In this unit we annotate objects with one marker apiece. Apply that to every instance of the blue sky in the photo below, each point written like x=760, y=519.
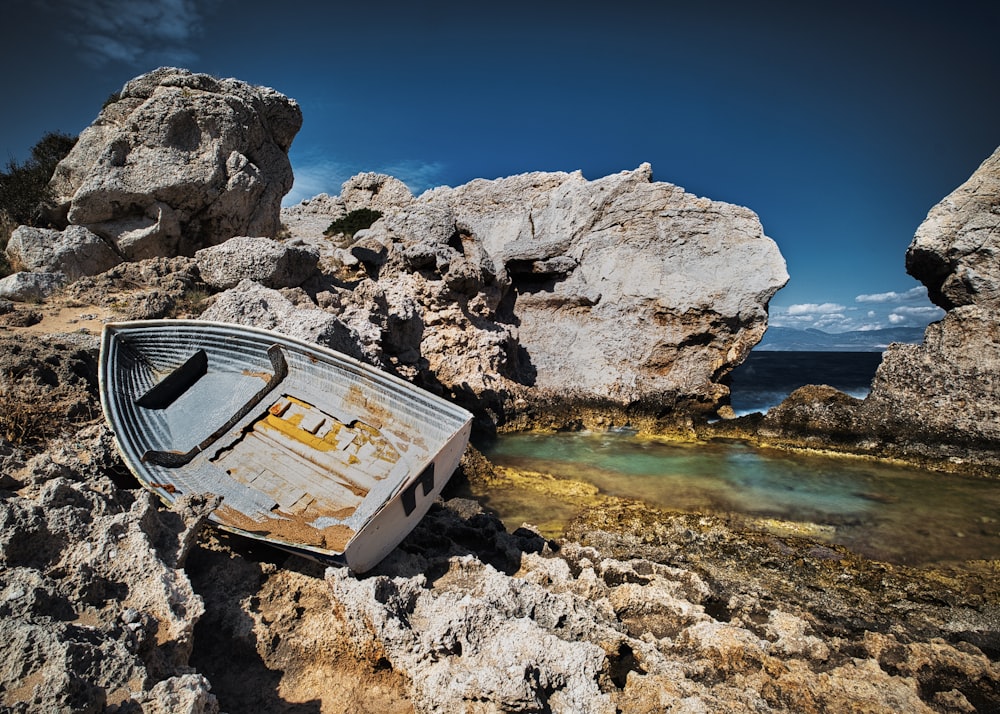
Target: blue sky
x=840, y=124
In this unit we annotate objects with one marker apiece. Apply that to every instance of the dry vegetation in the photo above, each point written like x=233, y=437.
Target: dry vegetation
x=32, y=415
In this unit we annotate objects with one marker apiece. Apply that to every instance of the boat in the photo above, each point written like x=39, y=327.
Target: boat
x=311, y=450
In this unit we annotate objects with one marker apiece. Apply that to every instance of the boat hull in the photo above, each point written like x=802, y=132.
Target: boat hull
x=310, y=450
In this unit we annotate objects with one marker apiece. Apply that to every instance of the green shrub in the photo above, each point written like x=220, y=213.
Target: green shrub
x=24, y=187
x=355, y=221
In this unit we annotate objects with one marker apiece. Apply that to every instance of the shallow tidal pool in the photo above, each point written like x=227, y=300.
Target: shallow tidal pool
x=883, y=511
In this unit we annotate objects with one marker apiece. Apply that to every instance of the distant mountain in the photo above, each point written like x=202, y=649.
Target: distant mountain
x=789, y=339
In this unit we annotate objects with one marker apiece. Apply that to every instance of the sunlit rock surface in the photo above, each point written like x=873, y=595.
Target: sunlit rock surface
x=180, y=161
x=548, y=289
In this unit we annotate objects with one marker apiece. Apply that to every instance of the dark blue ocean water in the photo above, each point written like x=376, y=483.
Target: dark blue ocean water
x=766, y=378
x=883, y=511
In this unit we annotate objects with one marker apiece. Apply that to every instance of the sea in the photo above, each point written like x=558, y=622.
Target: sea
x=766, y=378
x=883, y=511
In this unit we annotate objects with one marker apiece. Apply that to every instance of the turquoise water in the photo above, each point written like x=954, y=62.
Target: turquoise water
x=893, y=513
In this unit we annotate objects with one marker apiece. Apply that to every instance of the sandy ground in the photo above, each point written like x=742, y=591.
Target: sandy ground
x=56, y=319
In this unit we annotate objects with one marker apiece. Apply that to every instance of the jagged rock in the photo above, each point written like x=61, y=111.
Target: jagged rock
x=145, y=290
x=180, y=161
x=479, y=619
x=186, y=694
x=29, y=287
x=624, y=290
x=252, y=304
x=310, y=218
x=90, y=611
x=263, y=260
x=377, y=192
x=954, y=251
x=546, y=288
x=942, y=394
x=74, y=252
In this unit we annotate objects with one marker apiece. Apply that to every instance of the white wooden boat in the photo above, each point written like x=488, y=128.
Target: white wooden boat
x=311, y=450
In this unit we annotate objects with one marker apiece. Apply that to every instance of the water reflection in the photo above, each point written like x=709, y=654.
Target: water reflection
x=888, y=512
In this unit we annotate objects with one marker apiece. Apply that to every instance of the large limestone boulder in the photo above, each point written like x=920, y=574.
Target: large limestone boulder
x=955, y=250
x=179, y=162
x=546, y=295
x=624, y=289
x=940, y=398
x=74, y=252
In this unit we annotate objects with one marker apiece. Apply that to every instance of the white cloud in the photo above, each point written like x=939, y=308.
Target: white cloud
x=909, y=308
x=133, y=32
x=812, y=308
x=927, y=312
x=917, y=294
x=316, y=177
x=417, y=175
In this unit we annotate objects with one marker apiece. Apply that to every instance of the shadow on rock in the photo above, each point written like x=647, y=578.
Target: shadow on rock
x=456, y=528
x=227, y=649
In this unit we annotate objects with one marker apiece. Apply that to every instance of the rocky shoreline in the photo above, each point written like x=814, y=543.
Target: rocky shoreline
x=114, y=608
x=542, y=301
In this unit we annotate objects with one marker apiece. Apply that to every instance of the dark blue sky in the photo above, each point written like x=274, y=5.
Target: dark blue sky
x=840, y=124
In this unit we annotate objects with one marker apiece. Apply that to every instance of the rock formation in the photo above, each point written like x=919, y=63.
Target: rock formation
x=94, y=609
x=548, y=292
x=944, y=393
x=479, y=619
x=102, y=600
x=265, y=261
x=179, y=161
x=534, y=298
x=73, y=252
x=493, y=294
x=936, y=403
x=624, y=270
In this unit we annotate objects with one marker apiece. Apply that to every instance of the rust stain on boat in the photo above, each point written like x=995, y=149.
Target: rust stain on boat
x=289, y=528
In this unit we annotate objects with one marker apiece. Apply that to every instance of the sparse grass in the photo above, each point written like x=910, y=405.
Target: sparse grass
x=32, y=416
x=191, y=303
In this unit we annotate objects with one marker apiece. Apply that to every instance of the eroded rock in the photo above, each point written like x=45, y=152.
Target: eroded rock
x=30, y=287
x=620, y=295
x=482, y=620
x=178, y=162
x=263, y=260
x=74, y=252
x=91, y=612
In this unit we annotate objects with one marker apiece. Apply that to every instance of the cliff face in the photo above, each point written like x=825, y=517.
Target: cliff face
x=937, y=402
x=945, y=391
